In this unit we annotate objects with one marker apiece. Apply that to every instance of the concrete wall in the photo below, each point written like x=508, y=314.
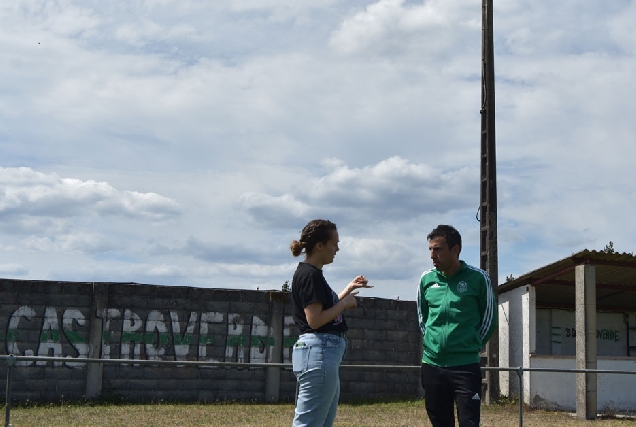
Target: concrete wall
x=557, y=391
x=148, y=322
x=545, y=338
x=556, y=333
x=515, y=340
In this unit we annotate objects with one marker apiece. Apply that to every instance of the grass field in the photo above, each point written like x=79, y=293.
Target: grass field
x=405, y=414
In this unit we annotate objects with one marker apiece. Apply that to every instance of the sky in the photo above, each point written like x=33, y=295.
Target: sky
x=187, y=143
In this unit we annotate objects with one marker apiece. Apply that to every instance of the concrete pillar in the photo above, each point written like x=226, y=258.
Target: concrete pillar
x=504, y=348
x=272, y=385
x=94, y=370
x=586, y=383
x=529, y=338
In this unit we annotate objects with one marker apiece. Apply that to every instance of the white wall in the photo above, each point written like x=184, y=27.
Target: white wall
x=527, y=336
x=516, y=336
x=556, y=333
x=554, y=390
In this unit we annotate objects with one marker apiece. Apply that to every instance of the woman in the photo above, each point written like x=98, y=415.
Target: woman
x=317, y=354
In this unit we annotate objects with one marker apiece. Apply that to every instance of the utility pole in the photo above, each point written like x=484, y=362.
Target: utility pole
x=488, y=192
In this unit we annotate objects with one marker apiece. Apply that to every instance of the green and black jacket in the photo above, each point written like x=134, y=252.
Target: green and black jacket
x=457, y=315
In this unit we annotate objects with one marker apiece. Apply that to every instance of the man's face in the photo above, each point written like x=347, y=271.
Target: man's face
x=444, y=258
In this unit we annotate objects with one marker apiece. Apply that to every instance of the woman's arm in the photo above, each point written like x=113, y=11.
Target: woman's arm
x=317, y=317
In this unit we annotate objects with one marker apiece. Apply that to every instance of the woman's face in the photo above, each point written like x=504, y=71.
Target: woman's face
x=327, y=250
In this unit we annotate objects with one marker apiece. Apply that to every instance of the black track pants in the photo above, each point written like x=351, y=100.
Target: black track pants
x=443, y=387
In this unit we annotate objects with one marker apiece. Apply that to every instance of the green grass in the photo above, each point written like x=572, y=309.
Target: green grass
x=392, y=414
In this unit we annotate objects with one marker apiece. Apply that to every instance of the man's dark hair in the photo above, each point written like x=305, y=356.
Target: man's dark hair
x=449, y=233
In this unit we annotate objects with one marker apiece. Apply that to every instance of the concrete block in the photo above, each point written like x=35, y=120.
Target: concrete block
x=245, y=309
x=186, y=395
x=375, y=335
x=399, y=336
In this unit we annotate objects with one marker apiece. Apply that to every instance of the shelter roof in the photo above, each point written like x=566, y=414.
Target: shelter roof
x=555, y=283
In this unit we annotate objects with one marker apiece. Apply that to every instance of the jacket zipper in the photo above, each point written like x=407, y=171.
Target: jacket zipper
x=445, y=334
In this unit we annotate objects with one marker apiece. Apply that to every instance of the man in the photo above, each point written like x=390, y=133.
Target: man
x=457, y=311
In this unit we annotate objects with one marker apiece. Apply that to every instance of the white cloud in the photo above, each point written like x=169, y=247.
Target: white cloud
x=58, y=17
x=179, y=142
x=72, y=242
x=389, y=27
x=26, y=192
x=13, y=270
x=278, y=209
x=392, y=190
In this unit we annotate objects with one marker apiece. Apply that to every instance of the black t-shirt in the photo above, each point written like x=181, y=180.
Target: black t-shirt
x=309, y=286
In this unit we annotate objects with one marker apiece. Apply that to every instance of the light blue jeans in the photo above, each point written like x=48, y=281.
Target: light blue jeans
x=316, y=360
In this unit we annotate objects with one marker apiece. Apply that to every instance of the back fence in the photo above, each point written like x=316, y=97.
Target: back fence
x=12, y=361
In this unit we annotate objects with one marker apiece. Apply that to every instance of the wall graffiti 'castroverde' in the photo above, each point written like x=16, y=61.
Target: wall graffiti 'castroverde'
x=162, y=335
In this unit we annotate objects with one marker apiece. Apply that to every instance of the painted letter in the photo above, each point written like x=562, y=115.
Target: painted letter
x=182, y=342
x=50, y=337
x=74, y=338
x=155, y=322
x=288, y=340
x=235, y=340
x=107, y=315
x=261, y=341
x=129, y=334
x=205, y=338
x=12, y=333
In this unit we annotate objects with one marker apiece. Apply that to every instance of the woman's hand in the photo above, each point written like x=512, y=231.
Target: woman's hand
x=350, y=301
x=357, y=283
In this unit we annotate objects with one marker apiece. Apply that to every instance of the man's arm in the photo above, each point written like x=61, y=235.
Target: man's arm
x=422, y=308
x=488, y=310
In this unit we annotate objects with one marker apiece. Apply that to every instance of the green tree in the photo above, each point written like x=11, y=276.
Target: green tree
x=609, y=248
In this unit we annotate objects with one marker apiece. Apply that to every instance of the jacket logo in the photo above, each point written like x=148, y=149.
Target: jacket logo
x=461, y=287
x=435, y=285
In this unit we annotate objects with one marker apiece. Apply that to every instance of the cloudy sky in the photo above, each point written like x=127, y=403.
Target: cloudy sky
x=180, y=142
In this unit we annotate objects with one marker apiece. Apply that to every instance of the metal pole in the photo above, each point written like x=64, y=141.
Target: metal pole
x=520, y=375
x=7, y=416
